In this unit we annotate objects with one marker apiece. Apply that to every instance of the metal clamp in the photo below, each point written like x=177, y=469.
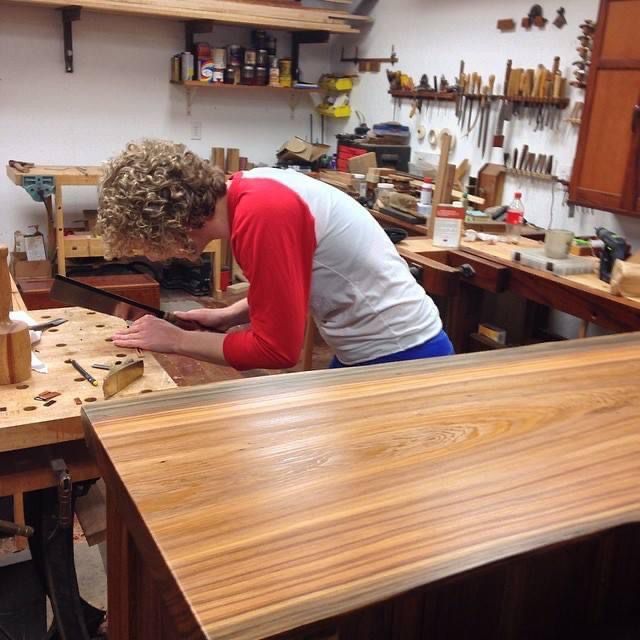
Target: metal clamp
x=13, y=529
x=65, y=489
x=467, y=271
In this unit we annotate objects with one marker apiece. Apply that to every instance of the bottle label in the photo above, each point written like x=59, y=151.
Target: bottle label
x=514, y=216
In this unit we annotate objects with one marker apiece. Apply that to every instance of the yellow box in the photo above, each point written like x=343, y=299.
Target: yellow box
x=343, y=111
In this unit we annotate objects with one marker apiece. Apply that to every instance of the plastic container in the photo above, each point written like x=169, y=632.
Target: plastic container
x=514, y=219
x=383, y=192
x=360, y=184
x=426, y=192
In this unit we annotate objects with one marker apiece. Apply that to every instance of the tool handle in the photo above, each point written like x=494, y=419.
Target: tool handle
x=492, y=82
x=507, y=75
x=635, y=118
x=187, y=325
x=5, y=286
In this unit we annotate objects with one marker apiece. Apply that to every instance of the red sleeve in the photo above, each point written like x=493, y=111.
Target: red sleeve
x=273, y=240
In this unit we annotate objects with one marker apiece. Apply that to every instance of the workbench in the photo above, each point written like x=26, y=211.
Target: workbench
x=584, y=296
x=321, y=504
x=33, y=435
x=80, y=245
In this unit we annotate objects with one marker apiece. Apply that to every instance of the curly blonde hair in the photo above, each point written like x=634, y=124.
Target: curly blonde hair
x=151, y=195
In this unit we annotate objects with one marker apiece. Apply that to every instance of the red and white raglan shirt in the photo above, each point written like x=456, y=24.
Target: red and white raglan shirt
x=304, y=245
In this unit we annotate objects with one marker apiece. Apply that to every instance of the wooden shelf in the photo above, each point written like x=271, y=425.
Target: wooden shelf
x=192, y=86
x=285, y=17
x=422, y=95
x=219, y=86
x=451, y=97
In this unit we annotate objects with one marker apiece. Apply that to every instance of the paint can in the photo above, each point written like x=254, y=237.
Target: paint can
x=262, y=76
x=219, y=57
x=259, y=39
x=262, y=58
x=250, y=57
x=285, y=67
x=274, y=77
x=232, y=74
x=235, y=54
x=248, y=75
x=272, y=42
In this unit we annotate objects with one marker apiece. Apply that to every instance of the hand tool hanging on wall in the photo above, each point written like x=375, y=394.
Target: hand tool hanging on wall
x=490, y=86
x=459, y=89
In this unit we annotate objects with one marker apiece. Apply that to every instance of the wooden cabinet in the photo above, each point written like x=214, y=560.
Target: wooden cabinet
x=606, y=174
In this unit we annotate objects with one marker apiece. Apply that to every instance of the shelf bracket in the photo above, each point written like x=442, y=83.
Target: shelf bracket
x=69, y=15
x=191, y=94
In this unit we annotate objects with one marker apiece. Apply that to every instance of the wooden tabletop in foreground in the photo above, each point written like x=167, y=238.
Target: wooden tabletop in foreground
x=271, y=503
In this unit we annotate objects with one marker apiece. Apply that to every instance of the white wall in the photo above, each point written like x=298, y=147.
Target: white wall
x=432, y=36
x=119, y=91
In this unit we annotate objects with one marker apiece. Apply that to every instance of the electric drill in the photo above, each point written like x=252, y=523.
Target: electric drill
x=615, y=248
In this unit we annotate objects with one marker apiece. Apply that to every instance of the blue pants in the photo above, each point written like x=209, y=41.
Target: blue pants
x=439, y=345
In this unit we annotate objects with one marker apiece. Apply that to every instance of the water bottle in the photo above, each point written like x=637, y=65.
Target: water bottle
x=514, y=219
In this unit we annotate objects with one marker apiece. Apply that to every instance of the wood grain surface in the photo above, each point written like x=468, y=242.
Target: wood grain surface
x=263, y=505
x=26, y=422
x=64, y=175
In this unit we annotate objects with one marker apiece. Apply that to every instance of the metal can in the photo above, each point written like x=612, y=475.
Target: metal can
x=262, y=58
x=272, y=43
x=274, y=77
x=248, y=75
x=230, y=74
x=235, y=54
x=250, y=57
x=285, y=66
x=262, y=76
x=260, y=39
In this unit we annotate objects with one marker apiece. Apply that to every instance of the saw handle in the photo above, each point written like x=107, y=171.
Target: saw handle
x=187, y=325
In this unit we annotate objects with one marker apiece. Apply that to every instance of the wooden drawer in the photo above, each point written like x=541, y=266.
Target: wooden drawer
x=76, y=246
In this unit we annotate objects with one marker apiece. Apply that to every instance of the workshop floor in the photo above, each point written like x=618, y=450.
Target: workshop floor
x=185, y=372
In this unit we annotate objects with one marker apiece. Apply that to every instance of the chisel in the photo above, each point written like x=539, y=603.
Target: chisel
x=523, y=157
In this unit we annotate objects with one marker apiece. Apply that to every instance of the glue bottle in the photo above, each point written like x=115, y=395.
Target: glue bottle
x=514, y=219
x=426, y=192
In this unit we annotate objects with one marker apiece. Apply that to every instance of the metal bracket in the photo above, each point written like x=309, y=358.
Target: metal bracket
x=65, y=489
x=69, y=14
x=39, y=187
x=370, y=64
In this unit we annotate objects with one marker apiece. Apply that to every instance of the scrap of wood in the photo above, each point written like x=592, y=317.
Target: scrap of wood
x=362, y=164
x=441, y=175
x=461, y=172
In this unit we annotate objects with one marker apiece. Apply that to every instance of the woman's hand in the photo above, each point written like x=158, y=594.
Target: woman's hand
x=152, y=334
x=212, y=319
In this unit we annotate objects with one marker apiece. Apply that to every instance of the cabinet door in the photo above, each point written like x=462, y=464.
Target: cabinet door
x=607, y=168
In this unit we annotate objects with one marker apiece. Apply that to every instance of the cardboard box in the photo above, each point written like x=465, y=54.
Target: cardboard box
x=297, y=149
x=448, y=224
x=29, y=269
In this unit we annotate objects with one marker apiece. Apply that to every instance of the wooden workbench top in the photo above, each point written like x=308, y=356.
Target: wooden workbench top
x=64, y=175
x=26, y=422
x=266, y=504
x=502, y=253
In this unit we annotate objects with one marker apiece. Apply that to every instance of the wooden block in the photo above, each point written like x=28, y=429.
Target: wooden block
x=217, y=157
x=625, y=279
x=233, y=160
x=508, y=24
x=96, y=247
x=92, y=514
x=76, y=246
x=441, y=189
x=362, y=164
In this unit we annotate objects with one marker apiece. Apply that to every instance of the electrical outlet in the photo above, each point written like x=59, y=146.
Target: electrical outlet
x=196, y=130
